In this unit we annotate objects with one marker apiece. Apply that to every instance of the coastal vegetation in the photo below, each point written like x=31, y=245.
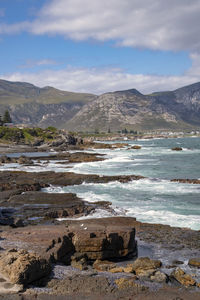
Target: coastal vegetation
x=26, y=135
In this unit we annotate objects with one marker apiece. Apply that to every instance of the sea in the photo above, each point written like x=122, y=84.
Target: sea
x=154, y=199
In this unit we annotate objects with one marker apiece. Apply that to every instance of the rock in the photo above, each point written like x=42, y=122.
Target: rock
x=104, y=265
x=127, y=269
x=177, y=149
x=79, y=261
x=119, y=145
x=6, y=217
x=145, y=267
x=136, y=147
x=177, y=262
x=194, y=262
x=5, y=159
x=126, y=283
x=84, y=285
x=159, y=277
x=17, y=222
x=104, y=239
x=142, y=273
x=22, y=267
x=84, y=157
x=9, y=289
x=27, y=181
x=38, y=142
x=182, y=277
x=50, y=206
x=104, y=242
x=117, y=270
x=190, y=181
x=24, y=160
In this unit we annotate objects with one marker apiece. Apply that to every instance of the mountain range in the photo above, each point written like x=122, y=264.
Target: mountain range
x=34, y=106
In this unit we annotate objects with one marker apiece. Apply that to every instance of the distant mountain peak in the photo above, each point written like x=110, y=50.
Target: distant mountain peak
x=130, y=91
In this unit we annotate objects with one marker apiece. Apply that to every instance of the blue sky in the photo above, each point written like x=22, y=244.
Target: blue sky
x=92, y=46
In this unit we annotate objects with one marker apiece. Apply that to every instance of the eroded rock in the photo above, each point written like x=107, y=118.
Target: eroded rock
x=144, y=266
x=185, y=279
x=22, y=267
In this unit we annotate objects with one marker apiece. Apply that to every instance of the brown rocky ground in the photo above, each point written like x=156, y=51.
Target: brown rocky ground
x=111, y=239
x=81, y=242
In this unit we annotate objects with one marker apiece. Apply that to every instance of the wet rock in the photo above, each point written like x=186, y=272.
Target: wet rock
x=194, y=262
x=84, y=157
x=177, y=262
x=185, y=279
x=177, y=149
x=119, y=145
x=191, y=181
x=51, y=206
x=159, y=277
x=22, y=267
x=27, y=181
x=137, y=147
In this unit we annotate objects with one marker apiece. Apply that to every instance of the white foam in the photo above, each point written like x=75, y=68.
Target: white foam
x=165, y=217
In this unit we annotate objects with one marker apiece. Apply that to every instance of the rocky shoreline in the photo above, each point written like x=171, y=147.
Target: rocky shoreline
x=47, y=253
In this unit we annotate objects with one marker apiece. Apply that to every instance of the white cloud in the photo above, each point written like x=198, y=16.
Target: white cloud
x=153, y=24
x=38, y=63
x=99, y=81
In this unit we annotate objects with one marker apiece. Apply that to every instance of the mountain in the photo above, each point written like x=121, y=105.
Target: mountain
x=179, y=109
x=39, y=106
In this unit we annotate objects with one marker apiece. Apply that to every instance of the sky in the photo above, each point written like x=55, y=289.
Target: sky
x=98, y=46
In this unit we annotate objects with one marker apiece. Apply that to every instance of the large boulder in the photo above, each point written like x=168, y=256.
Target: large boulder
x=104, y=242
x=22, y=267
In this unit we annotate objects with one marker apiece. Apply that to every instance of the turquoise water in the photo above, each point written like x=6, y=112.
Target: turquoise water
x=154, y=199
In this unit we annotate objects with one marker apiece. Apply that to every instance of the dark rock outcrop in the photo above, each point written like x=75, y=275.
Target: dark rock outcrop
x=177, y=149
x=95, y=240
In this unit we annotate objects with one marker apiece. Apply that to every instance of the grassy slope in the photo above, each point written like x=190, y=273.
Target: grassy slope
x=12, y=93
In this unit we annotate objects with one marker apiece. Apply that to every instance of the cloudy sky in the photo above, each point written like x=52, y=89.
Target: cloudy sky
x=99, y=46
